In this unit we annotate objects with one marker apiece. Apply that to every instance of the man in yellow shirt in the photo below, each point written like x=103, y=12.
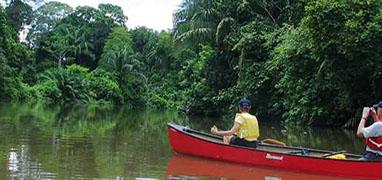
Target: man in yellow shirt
x=245, y=130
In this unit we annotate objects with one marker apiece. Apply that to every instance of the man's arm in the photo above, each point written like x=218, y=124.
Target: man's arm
x=232, y=131
x=361, y=125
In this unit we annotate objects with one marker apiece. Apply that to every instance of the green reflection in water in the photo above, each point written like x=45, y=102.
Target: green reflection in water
x=83, y=142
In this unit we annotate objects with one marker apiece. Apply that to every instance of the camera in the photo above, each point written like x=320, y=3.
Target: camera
x=372, y=110
x=374, y=107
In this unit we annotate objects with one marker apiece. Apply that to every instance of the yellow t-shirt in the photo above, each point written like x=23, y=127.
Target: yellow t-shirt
x=249, y=128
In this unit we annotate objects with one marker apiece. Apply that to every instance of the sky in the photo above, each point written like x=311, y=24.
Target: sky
x=155, y=14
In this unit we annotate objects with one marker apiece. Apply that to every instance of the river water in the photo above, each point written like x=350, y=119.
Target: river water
x=47, y=142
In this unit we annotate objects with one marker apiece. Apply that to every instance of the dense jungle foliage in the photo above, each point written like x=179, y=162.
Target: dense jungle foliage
x=313, y=62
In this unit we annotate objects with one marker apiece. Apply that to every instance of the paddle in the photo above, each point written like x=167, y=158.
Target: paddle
x=273, y=141
x=334, y=153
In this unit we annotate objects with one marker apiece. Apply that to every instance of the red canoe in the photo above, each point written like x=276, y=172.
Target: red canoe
x=188, y=141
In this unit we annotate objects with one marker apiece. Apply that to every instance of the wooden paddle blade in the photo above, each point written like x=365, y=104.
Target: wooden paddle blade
x=334, y=153
x=337, y=156
x=273, y=141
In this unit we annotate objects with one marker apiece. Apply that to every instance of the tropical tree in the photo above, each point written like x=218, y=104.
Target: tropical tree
x=144, y=44
x=196, y=20
x=19, y=14
x=75, y=84
x=242, y=35
x=165, y=51
x=329, y=64
x=12, y=61
x=118, y=58
x=118, y=48
x=114, y=12
x=78, y=38
x=56, y=48
x=45, y=18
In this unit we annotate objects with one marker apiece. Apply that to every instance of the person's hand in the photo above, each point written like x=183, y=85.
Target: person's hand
x=214, y=130
x=366, y=112
x=372, y=112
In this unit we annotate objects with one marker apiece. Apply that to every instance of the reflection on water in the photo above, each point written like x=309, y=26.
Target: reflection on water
x=83, y=143
x=188, y=167
x=39, y=142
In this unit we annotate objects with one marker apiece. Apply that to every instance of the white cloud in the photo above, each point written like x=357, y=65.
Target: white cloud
x=155, y=14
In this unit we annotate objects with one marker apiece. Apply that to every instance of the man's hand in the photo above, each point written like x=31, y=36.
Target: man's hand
x=214, y=130
x=366, y=112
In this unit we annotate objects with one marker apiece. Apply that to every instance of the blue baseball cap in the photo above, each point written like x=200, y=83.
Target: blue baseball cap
x=379, y=105
x=246, y=102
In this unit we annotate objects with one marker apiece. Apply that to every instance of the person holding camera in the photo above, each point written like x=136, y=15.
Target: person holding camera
x=372, y=133
x=245, y=130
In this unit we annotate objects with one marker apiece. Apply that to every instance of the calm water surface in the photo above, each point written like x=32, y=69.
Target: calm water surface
x=40, y=142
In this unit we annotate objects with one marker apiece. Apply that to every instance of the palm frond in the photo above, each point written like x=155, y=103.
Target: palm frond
x=224, y=28
x=196, y=35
